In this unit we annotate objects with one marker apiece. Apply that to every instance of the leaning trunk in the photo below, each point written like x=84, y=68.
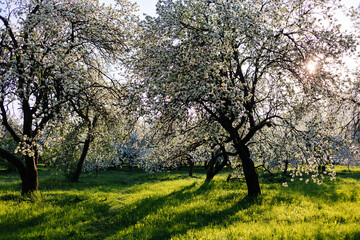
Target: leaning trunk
x=75, y=177
x=28, y=171
x=251, y=177
x=210, y=168
x=213, y=167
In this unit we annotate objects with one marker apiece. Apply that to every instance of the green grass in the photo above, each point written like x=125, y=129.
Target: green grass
x=123, y=205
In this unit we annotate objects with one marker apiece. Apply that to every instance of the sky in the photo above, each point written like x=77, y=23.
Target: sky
x=148, y=7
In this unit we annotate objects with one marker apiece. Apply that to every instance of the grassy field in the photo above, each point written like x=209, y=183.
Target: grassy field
x=123, y=205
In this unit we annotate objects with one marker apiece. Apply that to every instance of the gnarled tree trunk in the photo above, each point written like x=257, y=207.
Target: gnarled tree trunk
x=251, y=176
x=213, y=167
x=28, y=171
x=210, y=168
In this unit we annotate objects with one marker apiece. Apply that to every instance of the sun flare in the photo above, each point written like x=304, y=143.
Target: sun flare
x=311, y=67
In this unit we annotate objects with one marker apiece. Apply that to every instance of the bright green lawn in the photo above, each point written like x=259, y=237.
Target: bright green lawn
x=123, y=205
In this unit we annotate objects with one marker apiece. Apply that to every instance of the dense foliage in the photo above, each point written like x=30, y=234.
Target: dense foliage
x=54, y=55
x=238, y=65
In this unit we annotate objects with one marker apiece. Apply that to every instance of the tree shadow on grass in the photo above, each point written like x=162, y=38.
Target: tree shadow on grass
x=71, y=219
x=107, y=181
x=11, y=228
x=96, y=220
x=349, y=174
x=161, y=217
x=328, y=191
x=10, y=197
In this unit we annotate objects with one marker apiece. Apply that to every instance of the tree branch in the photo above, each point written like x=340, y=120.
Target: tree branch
x=11, y=33
x=6, y=124
x=11, y=158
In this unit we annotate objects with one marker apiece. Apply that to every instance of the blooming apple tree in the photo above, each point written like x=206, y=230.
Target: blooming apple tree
x=51, y=50
x=241, y=63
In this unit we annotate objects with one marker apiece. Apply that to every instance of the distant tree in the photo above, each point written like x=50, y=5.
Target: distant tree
x=174, y=151
x=132, y=151
x=76, y=146
x=191, y=140
x=50, y=51
x=242, y=64
x=347, y=99
x=104, y=112
x=220, y=157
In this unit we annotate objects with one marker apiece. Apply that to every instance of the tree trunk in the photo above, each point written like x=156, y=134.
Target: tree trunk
x=180, y=166
x=191, y=164
x=206, y=163
x=131, y=165
x=28, y=172
x=286, y=167
x=322, y=168
x=210, y=168
x=75, y=177
x=251, y=177
x=31, y=182
x=214, y=168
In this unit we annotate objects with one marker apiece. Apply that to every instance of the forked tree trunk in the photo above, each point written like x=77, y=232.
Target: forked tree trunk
x=79, y=166
x=214, y=168
x=251, y=177
x=28, y=171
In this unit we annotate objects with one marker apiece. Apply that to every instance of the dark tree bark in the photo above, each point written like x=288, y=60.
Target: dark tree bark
x=31, y=182
x=180, y=166
x=76, y=175
x=11, y=158
x=251, y=176
x=28, y=171
x=322, y=168
x=210, y=169
x=88, y=140
x=191, y=165
x=213, y=167
x=286, y=167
